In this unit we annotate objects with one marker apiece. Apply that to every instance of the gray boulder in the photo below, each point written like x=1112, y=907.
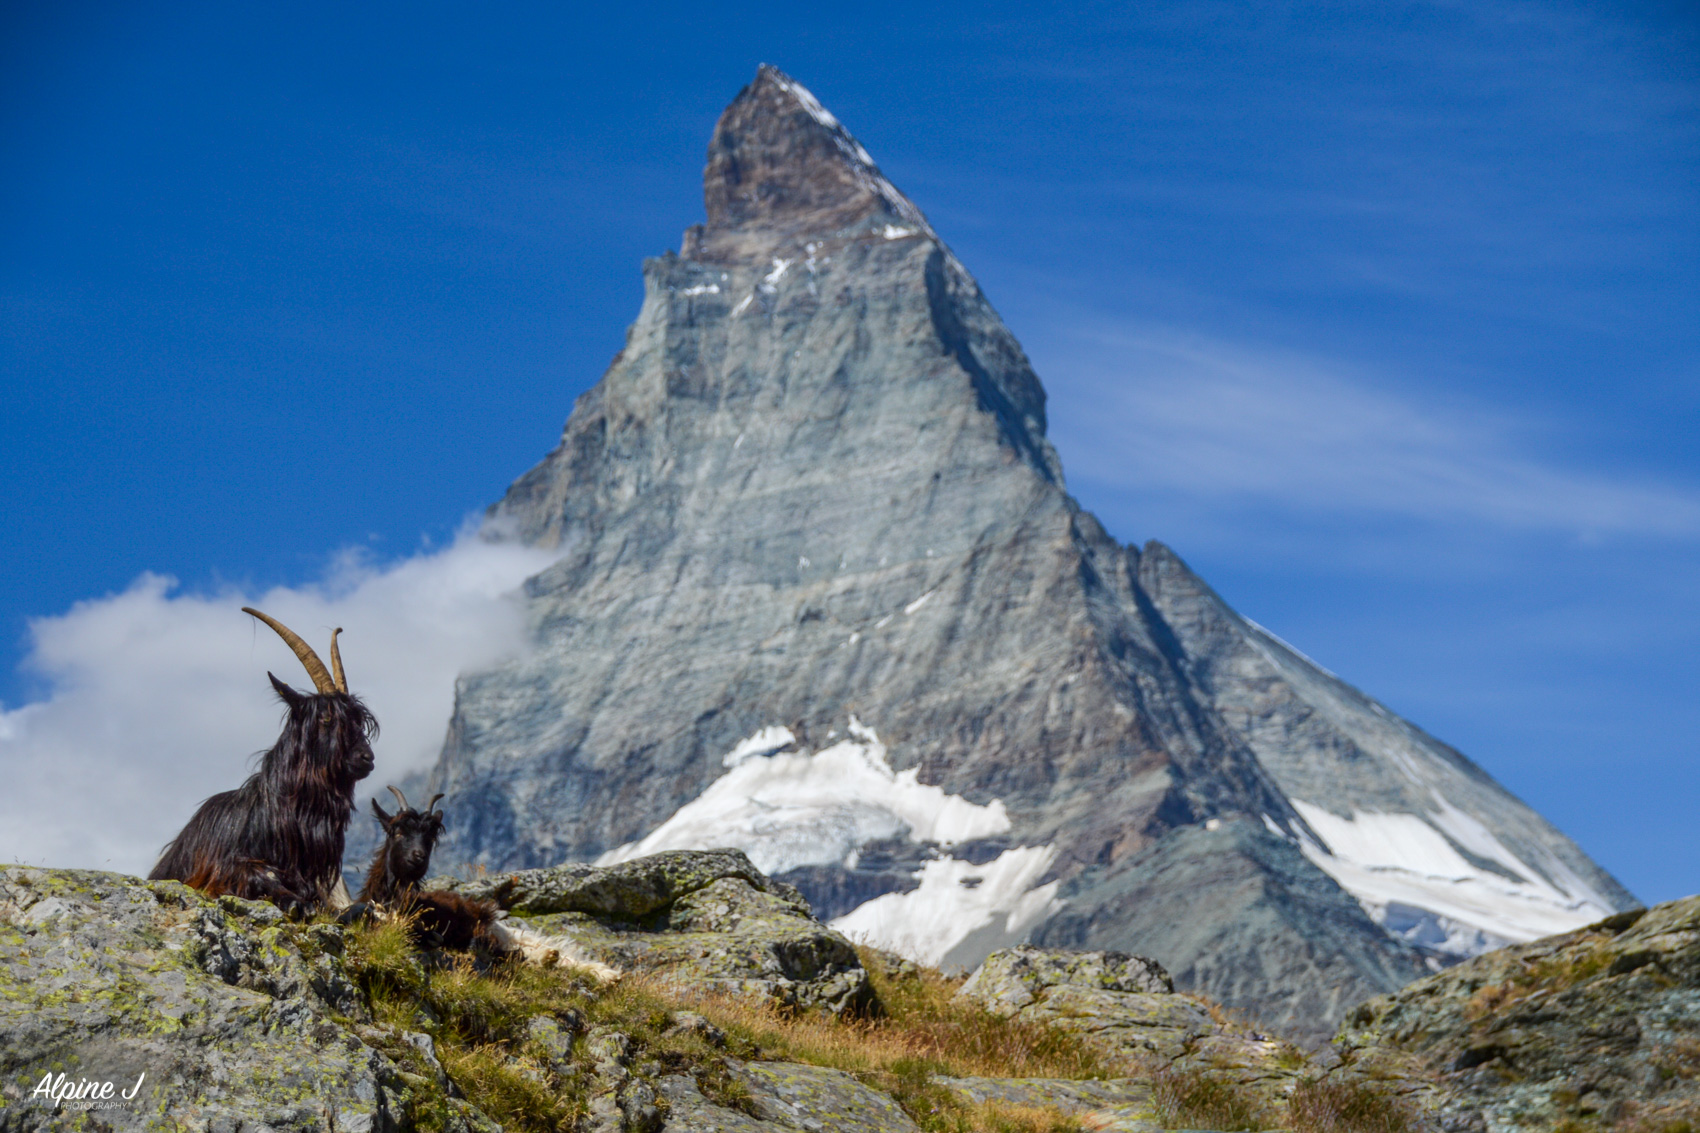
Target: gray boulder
x=216, y=1014
x=786, y=1097
x=709, y=920
x=1127, y=1007
x=1015, y=978
x=1600, y=1025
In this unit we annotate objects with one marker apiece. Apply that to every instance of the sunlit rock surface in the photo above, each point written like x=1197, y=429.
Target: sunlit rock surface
x=1600, y=1025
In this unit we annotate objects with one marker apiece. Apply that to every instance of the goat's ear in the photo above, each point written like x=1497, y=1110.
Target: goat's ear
x=289, y=695
x=383, y=816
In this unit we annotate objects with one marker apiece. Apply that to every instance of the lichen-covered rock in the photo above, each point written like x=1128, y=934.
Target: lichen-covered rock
x=795, y=1096
x=785, y=1097
x=629, y=891
x=1597, y=1025
x=1014, y=978
x=705, y=919
x=1126, y=1005
x=1115, y=1105
x=215, y=1014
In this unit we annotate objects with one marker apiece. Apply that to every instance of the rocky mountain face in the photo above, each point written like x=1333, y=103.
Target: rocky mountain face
x=822, y=596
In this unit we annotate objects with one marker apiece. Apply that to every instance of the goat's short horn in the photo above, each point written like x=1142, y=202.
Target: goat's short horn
x=400, y=798
x=432, y=805
x=309, y=659
x=336, y=663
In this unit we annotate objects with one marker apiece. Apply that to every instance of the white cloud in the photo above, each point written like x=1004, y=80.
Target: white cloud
x=1214, y=422
x=160, y=699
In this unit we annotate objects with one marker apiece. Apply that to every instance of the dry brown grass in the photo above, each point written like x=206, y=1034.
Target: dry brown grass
x=923, y=1021
x=1189, y=1099
x=1488, y=999
x=1679, y=1059
x=1559, y=971
x=1007, y=1117
x=1346, y=1107
x=478, y=1019
x=1679, y=1117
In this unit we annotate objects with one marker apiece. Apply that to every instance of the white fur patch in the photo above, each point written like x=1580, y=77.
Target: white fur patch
x=550, y=951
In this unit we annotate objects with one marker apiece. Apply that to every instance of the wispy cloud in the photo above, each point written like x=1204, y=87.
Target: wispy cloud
x=159, y=699
x=1223, y=424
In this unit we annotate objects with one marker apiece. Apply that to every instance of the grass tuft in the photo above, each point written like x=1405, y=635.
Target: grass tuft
x=1346, y=1107
x=1190, y=1099
x=517, y=1093
x=1007, y=1117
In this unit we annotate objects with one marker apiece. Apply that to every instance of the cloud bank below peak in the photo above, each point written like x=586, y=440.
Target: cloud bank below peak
x=158, y=698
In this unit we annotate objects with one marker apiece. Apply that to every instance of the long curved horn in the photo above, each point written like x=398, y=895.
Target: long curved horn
x=337, y=674
x=400, y=798
x=432, y=805
x=309, y=659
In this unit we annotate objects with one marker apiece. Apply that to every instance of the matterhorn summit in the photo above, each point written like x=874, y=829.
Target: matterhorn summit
x=823, y=596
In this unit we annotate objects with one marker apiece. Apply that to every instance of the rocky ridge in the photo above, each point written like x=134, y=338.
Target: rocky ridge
x=822, y=595
x=223, y=1014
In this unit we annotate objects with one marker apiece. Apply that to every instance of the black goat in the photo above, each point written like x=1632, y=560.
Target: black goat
x=279, y=836
x=440, y=919
x=400, y=863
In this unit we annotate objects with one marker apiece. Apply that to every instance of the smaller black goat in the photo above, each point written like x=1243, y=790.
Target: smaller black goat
x=409, y=837
x=441, y=919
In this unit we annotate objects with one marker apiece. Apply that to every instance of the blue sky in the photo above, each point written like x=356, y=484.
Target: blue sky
x=1382, y=314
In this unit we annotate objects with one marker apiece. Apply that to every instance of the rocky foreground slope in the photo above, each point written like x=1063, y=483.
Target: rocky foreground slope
x=822, y=595
x=131, y=1005
x=1594, y=1028
x=127, y=1004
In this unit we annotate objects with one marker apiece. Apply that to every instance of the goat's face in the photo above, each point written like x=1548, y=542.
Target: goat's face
x=345, y=726
x=332, y=732
x=327, y=741
x=409, y=837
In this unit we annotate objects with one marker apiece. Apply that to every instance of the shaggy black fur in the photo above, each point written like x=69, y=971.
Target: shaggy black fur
x=440, y=919
x=400, y=863
x=279, y=836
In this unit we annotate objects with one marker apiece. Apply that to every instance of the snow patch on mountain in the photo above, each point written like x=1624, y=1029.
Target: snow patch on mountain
x=788, y=809
x=1443, y=880
x=792, y=809
x=961, y=912
x=767, y=741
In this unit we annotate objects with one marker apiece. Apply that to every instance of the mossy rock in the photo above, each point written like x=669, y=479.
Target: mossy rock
x=1596, y=1027
x=223, y=1013
x=709, y=920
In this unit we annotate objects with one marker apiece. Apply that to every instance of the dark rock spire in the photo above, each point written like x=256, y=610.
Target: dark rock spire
x=781, y=167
